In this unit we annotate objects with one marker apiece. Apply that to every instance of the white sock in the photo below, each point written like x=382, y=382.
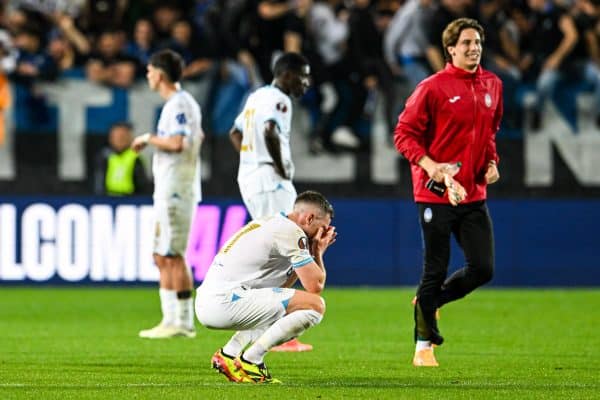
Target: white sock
x=422, y=344
x=290, y=326
x=184, y=313
x=168, y=300
x=240, y=340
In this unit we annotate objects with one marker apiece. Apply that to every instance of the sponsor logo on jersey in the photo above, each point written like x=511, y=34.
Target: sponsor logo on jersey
x=454, y=99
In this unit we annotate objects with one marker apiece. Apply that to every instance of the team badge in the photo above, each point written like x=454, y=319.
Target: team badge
x=488, y=100
x=427, y=215
x=281, y=107
x=181, y=118
x=303, y=243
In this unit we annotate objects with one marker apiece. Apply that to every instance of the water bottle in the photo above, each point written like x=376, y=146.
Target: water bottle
x=439, y=188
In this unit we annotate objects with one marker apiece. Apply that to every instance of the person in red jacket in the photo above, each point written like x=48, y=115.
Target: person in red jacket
x=451, y=120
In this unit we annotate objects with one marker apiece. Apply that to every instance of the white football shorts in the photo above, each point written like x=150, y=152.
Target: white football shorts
x=265, y=193
x=263, y=204
x=241, y=309
x=172, y=228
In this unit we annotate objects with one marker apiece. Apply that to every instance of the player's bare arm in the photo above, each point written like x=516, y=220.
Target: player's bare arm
x=312, y=276
x=439, y=173
x=235, y=136
x=172, y=144
x=434, y=169
x=274, y=147
x=291, y=280
x=324, y=238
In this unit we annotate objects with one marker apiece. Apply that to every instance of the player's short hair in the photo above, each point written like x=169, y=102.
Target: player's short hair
x=289, y=62
x=170, y=62
x=453, y=30
x=122, y=124
x=317, y=199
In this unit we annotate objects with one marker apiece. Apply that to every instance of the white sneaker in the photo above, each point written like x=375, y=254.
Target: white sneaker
x=167, y=331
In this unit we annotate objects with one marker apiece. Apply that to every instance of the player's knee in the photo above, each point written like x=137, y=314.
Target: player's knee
x=319, y=305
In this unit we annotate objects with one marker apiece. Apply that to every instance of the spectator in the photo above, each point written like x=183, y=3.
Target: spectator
x=502, y=54
x=329, y=32
x=98, y=15
x=109, y=65
x=7, y=65
x=587, y=53
x=553, y=38
x=371, y=73
x=193, y=49
x=67, y=46
x=446, y=12
x=142, y=45
x=68, y=29
x=164, y=17
x=405, y=41
x=64, y=55
x=275, y=26
x=119, y=170
x=32, y=62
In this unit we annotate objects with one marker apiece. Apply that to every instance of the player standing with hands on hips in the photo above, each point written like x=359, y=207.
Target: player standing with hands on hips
x=176, y=169
x=261, y=134
x=452, y=117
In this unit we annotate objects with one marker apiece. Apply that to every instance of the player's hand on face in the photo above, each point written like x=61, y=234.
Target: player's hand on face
x=323, y=239
x=492, y=175
x=330, y=234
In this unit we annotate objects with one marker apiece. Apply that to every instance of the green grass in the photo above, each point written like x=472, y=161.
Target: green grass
x=65, y=343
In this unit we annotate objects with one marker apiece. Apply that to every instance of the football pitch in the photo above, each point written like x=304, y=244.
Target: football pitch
x=81, y=343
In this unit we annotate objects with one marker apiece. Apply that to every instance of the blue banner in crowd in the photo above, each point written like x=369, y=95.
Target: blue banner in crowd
x=109, y=241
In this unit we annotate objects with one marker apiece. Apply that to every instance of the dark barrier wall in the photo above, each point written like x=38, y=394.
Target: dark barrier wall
x=99, y=240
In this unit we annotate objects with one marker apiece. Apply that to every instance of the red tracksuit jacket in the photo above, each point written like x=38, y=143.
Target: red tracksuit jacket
x=452, y=116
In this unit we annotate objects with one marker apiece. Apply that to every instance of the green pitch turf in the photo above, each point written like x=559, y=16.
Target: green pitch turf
x=65, y=343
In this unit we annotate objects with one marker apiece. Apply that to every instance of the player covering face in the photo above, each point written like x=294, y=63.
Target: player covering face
x=247, y=287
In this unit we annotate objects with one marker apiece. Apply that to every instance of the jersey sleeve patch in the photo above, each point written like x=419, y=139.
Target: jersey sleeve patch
x=303, y=243
x=281, y=107
x=302, y=263
x=181, y=119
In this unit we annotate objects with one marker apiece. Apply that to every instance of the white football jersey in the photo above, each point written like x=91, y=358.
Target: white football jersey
x=265, y=104
x=179, y=173
x=260, y=255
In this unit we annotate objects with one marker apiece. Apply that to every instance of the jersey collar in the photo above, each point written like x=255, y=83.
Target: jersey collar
x=461, y=73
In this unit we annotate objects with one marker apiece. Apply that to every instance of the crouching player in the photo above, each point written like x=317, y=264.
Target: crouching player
x=247, y=287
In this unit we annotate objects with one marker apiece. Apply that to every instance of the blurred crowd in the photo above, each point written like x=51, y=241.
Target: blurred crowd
x=358, y=49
